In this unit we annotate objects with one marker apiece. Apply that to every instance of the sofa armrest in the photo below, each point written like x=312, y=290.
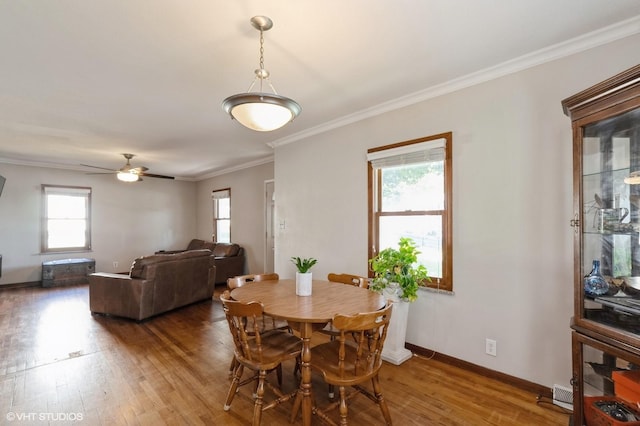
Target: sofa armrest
x=120, y=295
x=107, y=275
x=227, y=267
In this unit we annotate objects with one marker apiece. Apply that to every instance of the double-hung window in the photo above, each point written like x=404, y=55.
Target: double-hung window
x=66, y=218
x=410, y=188
x=222, y=215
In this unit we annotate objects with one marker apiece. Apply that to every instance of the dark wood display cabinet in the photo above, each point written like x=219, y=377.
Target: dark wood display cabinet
x=606, y=187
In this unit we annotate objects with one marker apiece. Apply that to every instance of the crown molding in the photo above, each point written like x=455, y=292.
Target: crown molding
x=198, y=178
x=572, y=46
x=242, y=166
x=59, y=166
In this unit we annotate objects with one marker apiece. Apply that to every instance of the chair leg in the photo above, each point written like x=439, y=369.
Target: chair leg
x=343, y=405
x=234, y=386
x=257, y=406
x=233, y=366
x=296, y=407
x=377, y=390
x=279, y=375
x=331, y=387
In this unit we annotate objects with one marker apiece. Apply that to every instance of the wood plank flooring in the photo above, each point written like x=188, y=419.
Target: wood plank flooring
x=61, y=365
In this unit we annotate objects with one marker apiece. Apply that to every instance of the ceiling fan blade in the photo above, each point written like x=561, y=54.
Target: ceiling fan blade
x=156, y=176
x=96, y=167
x=100, y=173
x=140, y=169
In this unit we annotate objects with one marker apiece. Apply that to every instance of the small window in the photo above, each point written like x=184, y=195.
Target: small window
x=66, y=224
x=222, y=215
x=410, y=196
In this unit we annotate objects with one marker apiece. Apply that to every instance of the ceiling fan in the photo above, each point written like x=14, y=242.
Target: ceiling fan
x=128, y=173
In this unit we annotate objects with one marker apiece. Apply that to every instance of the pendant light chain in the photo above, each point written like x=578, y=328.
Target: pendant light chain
x=261, y=50
x=262, y=71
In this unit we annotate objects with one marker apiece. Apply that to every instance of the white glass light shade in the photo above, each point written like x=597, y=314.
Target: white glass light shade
x=262, y=112
x=128, y=176
x=633, y=178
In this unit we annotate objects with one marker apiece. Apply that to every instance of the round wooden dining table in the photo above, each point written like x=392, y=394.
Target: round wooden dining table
x=308, y=314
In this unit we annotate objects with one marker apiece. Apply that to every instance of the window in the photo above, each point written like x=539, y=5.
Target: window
x=66, y=223
x=222, y=215
x=410, y=188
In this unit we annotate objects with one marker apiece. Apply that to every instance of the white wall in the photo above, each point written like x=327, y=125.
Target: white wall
x=128, y=220
x=512, y=205
x=513, y=247
x=247, y=210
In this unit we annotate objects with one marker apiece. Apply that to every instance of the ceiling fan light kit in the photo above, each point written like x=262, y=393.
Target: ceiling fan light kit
x=127, y=173
x=259, y=111
x=128, y=176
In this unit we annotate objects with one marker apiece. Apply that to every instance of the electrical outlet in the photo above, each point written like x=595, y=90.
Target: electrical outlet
x=115, y=264
x=491, y=347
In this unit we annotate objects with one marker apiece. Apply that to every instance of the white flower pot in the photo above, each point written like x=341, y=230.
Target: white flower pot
x=303, y=283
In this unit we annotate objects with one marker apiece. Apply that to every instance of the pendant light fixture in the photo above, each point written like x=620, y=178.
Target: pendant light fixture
x=261, y=111
x=633, y=178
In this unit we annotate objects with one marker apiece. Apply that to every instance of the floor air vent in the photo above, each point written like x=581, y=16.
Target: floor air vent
x=563, y=397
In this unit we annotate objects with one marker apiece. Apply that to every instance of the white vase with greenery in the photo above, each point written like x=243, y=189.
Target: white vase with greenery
x=397, y=276
x=304, y=278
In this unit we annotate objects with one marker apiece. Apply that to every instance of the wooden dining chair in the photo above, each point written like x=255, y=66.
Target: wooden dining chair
x=266, y=322
x=260, y=352
x=240, y=280
x=344, y=364
x=348, y=279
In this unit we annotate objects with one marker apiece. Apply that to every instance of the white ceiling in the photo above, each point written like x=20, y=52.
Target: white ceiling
x=83, y=81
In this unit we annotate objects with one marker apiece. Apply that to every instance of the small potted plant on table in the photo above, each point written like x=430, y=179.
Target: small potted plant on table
x=304, y=278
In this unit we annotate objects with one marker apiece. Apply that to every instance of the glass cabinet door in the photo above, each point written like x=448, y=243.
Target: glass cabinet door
x=611, y=219
x=609, y=381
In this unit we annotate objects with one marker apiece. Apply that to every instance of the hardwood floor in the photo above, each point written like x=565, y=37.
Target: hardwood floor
x=58, y=363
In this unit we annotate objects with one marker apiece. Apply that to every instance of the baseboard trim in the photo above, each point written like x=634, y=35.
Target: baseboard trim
x=20, y=285
x=483, y=371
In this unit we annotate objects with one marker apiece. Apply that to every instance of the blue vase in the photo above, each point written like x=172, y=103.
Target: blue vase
x=594, y=283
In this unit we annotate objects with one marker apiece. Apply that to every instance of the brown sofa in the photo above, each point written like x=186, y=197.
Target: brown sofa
x=155, y=284
x=228, y=258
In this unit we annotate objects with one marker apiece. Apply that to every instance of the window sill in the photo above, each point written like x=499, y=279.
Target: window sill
x=438, y=290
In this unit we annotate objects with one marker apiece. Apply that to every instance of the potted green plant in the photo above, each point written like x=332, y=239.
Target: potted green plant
x=396, y=270
x=304, y=277
x=397, y=276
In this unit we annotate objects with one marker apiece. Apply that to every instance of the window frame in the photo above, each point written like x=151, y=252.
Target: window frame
x=82, y=191
x=214, y=235
x=374, y=189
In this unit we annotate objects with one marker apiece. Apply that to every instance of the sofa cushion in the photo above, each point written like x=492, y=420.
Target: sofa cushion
x=138, y=267
x=226, y=250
